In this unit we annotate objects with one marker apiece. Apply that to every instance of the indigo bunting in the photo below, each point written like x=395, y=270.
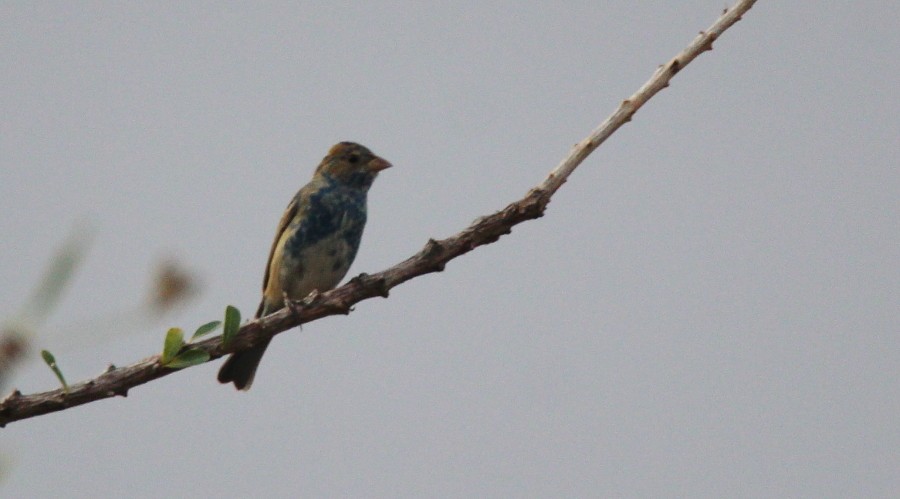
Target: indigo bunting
x=315, y=243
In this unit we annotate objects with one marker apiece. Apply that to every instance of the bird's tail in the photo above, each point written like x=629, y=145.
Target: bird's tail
x=240, y=368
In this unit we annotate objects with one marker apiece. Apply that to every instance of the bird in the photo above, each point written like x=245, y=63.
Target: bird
x=315, y=243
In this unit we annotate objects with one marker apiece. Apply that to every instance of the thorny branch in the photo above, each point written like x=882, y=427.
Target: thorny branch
x=431, y=258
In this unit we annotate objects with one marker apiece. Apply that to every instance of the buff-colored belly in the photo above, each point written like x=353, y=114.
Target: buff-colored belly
x=319, y=267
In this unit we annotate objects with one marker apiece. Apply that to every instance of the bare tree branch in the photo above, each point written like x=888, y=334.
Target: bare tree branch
x=432, y=258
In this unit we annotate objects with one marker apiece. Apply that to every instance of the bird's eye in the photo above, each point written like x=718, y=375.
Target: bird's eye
x=354, y=158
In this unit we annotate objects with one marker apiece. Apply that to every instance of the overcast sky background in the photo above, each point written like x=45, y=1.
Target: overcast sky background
x=709, y=307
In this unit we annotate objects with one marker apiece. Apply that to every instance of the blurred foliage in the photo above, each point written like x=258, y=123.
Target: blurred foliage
x=172, y=285
x=17, y=334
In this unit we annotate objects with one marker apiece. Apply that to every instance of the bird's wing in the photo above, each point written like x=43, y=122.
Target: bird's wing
x=286, y=219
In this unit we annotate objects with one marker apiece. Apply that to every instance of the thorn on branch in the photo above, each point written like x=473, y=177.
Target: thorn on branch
x=488, y=240
x=434, y=249
x=675, y=66
x=377, y=284
x=709, y=43
x=12, y=396
x=343, y=307
x=537, y=193
x=380, y=286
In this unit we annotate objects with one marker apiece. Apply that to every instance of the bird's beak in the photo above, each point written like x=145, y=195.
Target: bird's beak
x=378, y=164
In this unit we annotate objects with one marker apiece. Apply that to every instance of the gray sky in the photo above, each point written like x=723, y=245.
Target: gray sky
x=709, y=307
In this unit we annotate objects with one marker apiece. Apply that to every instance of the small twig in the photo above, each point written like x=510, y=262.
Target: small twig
x=431, y=258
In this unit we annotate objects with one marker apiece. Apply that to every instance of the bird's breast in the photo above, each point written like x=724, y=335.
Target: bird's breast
x=324, y=243
x=320, y=266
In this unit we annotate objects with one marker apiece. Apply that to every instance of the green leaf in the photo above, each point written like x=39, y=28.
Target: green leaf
x=232, y=324
x=51, y=361
x=206, y=329
x=188, y=358
x=174, y=342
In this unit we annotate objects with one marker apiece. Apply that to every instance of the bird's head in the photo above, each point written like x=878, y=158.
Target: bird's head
x=352, y=164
